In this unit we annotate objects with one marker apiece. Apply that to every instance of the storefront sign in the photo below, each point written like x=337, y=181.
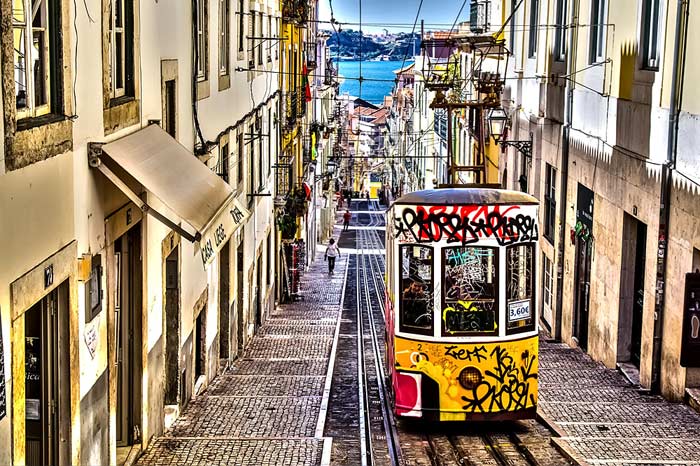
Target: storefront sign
x=3, y=391
x=690, y=345
x=220, y=230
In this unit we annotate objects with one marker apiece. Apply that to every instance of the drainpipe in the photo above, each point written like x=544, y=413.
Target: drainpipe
x=566, y=134
x=679, y=50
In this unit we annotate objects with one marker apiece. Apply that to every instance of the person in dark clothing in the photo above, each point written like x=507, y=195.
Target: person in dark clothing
x=346, y=220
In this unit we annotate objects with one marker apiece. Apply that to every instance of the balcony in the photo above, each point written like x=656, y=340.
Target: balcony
x=331, y=76
x=295, y=11
x=291, y=108
x=311, y=62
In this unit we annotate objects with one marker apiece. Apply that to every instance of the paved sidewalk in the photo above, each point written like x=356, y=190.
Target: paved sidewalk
x=605, y=420
x=264, y=410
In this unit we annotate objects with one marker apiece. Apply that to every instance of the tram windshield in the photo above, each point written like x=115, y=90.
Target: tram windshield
x=520, y=272
x=416, y=289
x=470, y=291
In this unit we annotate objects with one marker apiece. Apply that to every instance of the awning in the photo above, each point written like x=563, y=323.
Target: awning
x=180, y=181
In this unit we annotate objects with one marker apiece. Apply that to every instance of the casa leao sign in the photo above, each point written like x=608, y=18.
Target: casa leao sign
x=229, y=219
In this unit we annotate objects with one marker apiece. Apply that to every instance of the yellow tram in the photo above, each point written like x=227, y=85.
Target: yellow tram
x=462, y=327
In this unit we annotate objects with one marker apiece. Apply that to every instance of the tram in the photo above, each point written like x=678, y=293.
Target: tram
x=462, y=327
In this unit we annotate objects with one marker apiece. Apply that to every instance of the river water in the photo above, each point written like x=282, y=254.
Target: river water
x=372, y=91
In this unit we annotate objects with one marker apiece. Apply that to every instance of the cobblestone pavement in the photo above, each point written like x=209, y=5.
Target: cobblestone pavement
x=264, y=409
x=605, y=420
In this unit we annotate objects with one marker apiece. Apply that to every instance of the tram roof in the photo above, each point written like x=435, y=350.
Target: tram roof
x=466, y=196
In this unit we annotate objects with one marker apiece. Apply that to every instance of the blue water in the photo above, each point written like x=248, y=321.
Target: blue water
x=372, y=91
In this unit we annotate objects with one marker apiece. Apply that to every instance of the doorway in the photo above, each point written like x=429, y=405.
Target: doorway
x=582, y=265
x=128, y=311
x=200, y=346
x=239, y=299
x=47, y=385
x=629, y=326
x=258, y=293
x=172, y=327
x=224, y=307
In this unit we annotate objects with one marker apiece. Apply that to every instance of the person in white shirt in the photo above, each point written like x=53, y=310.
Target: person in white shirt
x=332, y=252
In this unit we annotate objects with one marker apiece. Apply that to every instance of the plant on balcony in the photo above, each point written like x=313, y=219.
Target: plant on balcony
x=297, y=202
x=288, y=225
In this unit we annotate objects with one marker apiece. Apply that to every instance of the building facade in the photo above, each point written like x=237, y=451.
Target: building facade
x=137, y=202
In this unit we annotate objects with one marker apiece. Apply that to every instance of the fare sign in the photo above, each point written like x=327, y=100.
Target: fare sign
x=519, y=310
x=222, y=227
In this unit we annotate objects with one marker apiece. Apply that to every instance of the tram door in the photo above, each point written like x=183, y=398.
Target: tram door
x=47, y=389
x=128, y=311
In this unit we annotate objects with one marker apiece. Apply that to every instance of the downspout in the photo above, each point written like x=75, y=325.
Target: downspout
x=679, y=51
x=565, y=148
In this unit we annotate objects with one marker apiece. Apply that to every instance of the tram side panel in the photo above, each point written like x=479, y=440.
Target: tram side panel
x=443, y=371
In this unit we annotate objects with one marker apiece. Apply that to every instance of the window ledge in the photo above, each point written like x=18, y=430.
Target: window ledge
x=39, y=139
x=117, y=101
x=34, y=122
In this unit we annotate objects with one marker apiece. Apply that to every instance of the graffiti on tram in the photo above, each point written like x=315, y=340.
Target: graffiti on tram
x=466, y=224
x=508, y=380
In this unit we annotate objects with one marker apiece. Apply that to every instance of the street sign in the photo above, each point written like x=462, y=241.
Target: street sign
x=229, y=219
x=690, y=344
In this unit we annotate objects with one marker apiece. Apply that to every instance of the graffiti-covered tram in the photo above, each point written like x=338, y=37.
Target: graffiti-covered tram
x=462, y=330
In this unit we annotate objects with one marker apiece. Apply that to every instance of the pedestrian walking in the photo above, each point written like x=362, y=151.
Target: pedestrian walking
x=346, y=220
x=332, y=252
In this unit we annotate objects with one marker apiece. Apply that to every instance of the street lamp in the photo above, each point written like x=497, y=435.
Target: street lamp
x=497, y=124
x=498, y=120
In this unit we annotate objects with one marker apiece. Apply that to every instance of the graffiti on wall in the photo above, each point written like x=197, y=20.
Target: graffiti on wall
x=508, y=371
x=465, y=224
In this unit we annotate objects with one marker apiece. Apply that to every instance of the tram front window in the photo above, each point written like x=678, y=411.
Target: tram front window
x=520, y=272
x=416, y=290
x=470, y=291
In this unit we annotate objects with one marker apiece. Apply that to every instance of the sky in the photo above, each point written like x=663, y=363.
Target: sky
x=394, y=15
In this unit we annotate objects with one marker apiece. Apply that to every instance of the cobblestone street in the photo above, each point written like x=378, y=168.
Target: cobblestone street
x=265, y=408
x=604, y=420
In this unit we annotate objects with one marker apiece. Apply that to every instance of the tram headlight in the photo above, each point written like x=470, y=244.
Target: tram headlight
x=470, y=377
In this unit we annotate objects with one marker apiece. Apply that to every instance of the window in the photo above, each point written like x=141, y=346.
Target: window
x=241, y=25
x=34, y=42
x=470, y=291
x=597, y=38
x=513, y=24
x=261, y=156
x=251, y=41
x=251, y=164
x=269, y=143
x=560, y=31
x=550, y=201
x=202, y=35
x=534, y=25
x=261, y=42
x=547, y=281
x=170, y=113
x=270, y=37
x=224, y=37
x=270, y=261
x=277, y=34
x=222, y=166
x=650, y=34
x=117, y=38
x=239, y=169
x=416, y=290
x=520, y=270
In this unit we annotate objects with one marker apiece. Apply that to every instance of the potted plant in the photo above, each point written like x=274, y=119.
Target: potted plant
x=288, y=225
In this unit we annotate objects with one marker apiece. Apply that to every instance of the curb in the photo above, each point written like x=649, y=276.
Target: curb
x=558, y=441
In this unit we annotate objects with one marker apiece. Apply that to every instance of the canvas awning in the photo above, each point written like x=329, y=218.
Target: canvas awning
x=180, y=181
